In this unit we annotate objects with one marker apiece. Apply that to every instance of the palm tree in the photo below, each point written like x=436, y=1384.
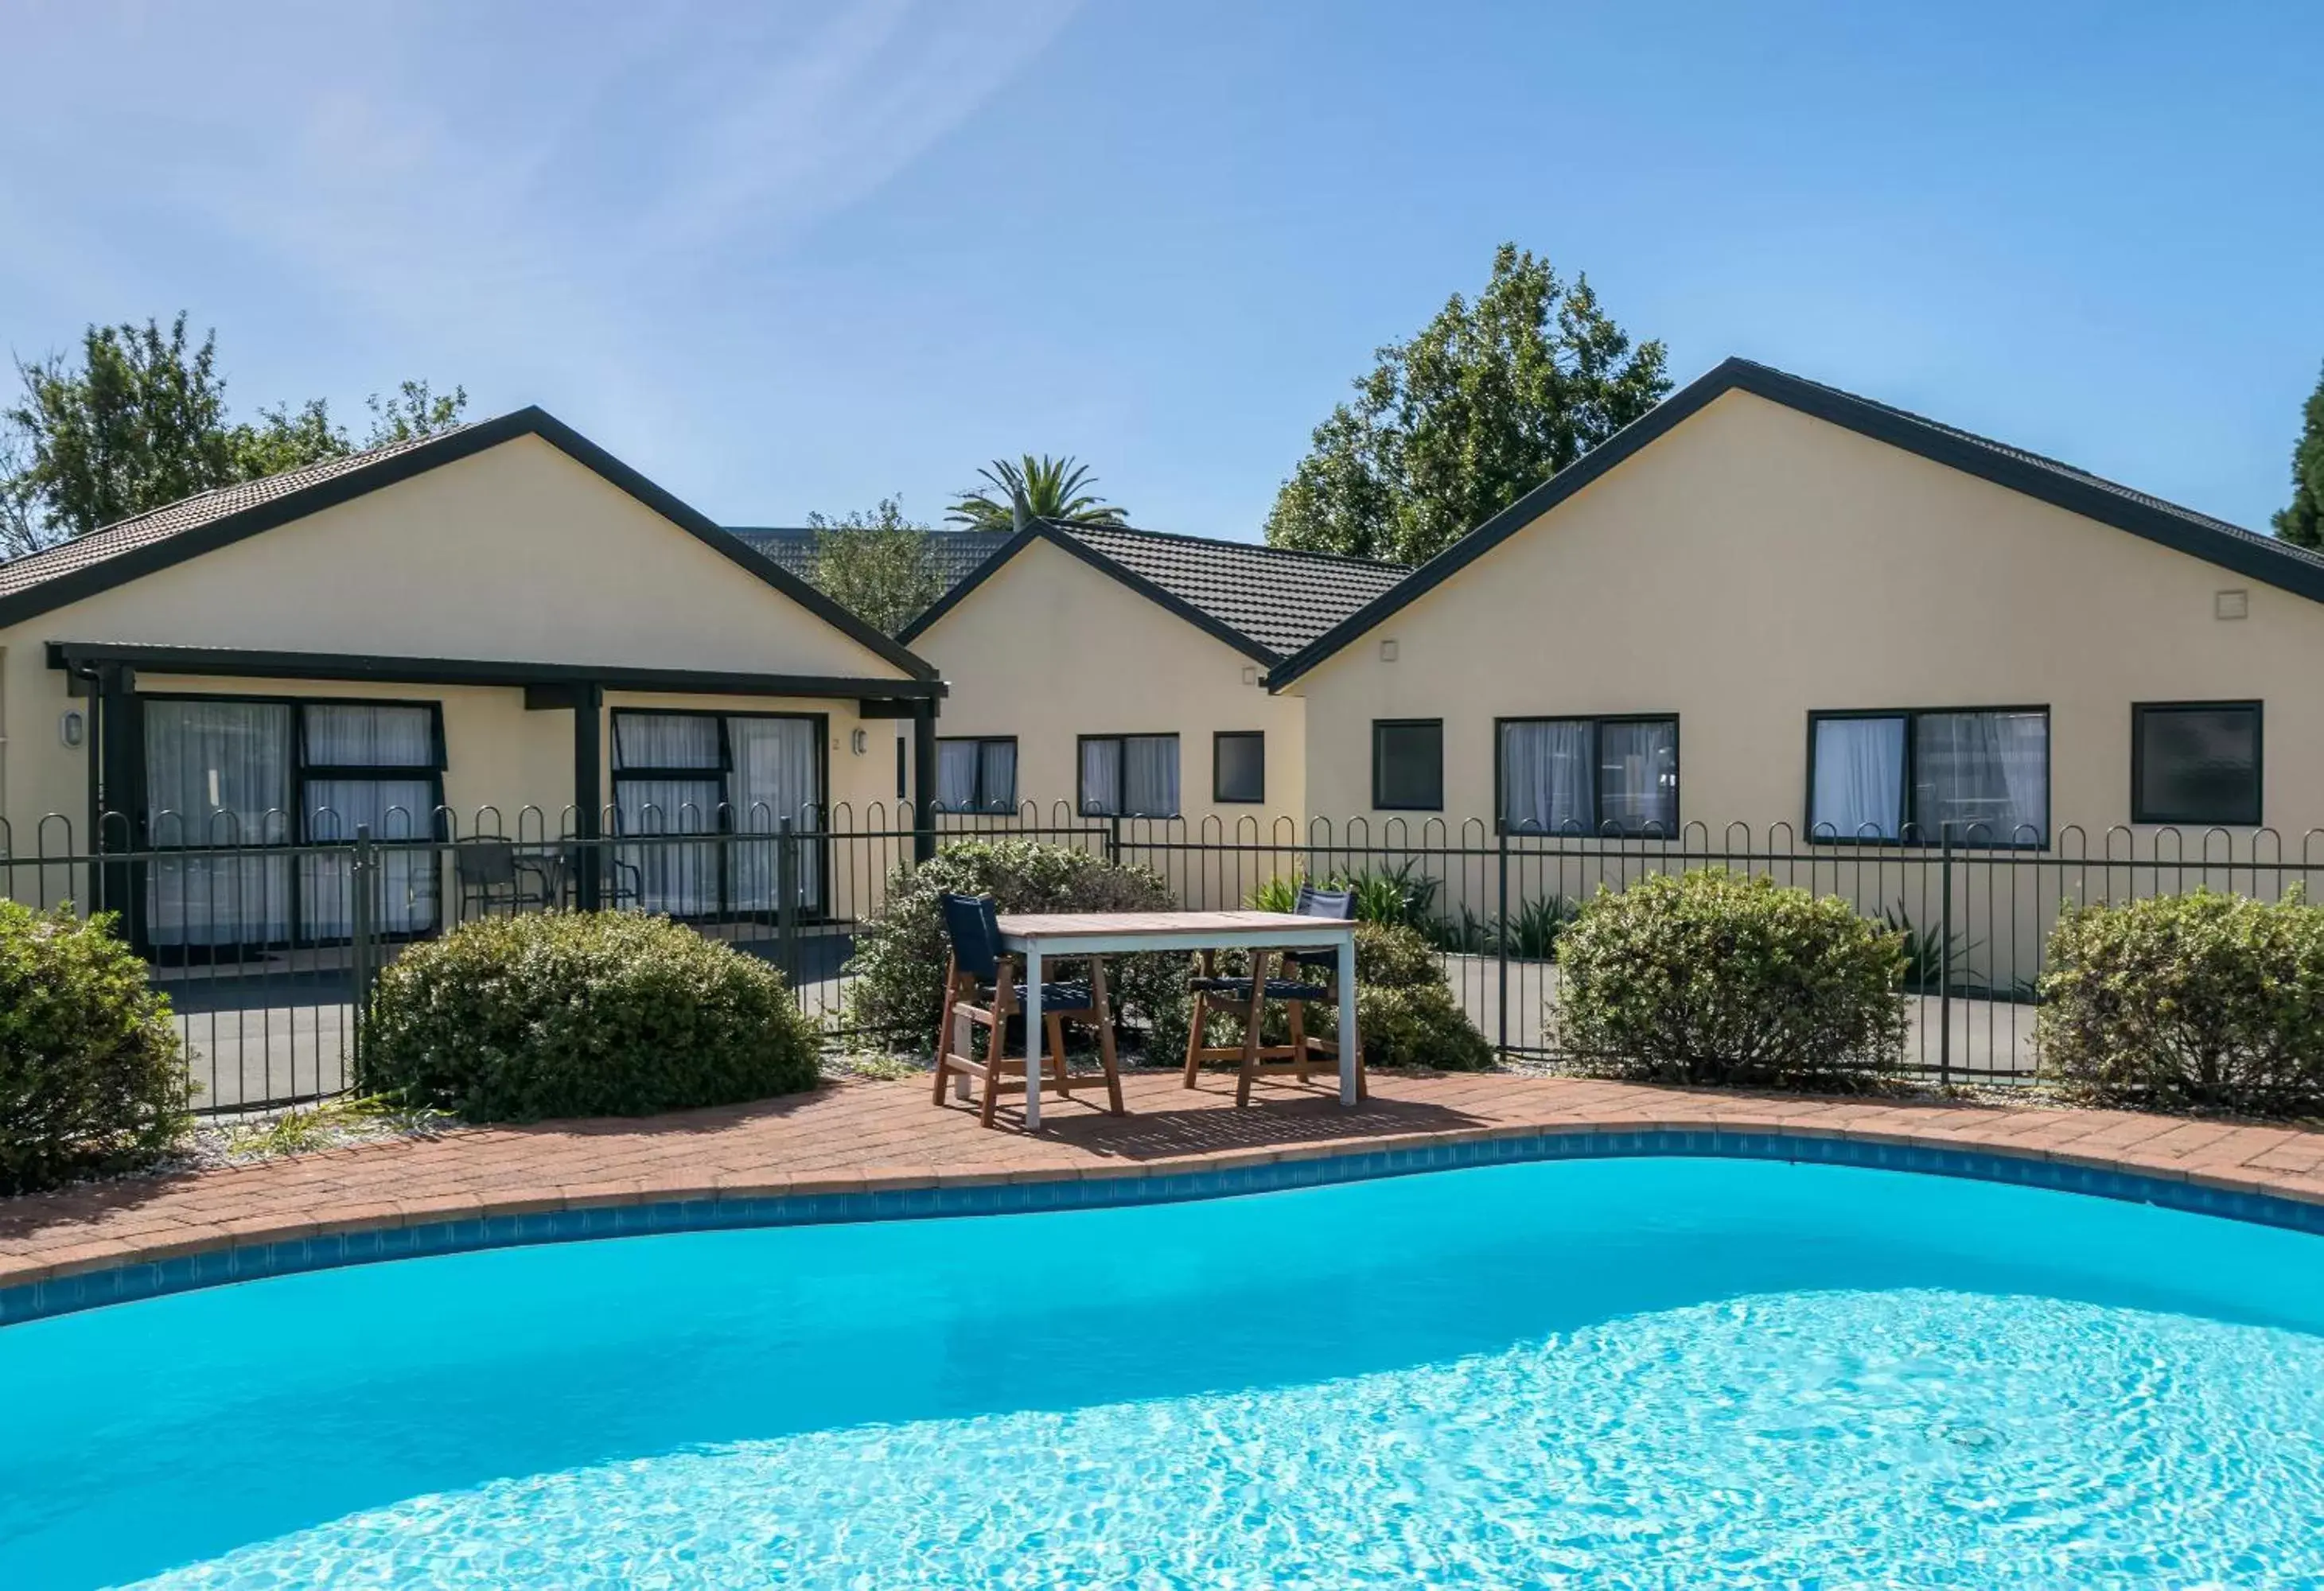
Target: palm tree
x=1048, y=488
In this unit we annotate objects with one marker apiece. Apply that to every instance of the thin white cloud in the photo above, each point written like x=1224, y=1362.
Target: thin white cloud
x=521, y=185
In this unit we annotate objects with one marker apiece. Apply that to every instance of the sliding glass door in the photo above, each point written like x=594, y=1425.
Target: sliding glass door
x=737, y=776
x=264, y=775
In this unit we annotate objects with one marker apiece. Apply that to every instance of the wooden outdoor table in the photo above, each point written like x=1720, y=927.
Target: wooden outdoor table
x=1039, y=935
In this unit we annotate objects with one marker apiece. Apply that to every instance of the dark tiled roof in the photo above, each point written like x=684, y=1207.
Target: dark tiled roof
x=1277, y=597
x=187, y=513
x=958, y=552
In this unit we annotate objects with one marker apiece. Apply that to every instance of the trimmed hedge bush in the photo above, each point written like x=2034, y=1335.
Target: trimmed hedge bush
x=896, y=992
x=2203, y=999
x=561, y=1013
x=91, y=1076
x=1715, y=978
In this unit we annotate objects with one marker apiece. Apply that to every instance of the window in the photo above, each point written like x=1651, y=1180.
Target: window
x=1588, y=776
x=976, y=775
x=2195, y=762
x=1239, y=766
x=225, y=772
x=1408, y=764
x=1129, y=776
x=1975, y=776
x=706, y=773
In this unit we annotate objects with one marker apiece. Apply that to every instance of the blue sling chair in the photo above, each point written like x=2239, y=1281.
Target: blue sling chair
x=1307, y=976
x=982, y=990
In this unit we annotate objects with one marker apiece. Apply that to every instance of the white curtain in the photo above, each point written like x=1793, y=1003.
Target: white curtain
x=218, y=774
x=956, y=763
x=394, y=809
x=778, y=774
x=1100, y=777
x=665, y=739
x=1149, y=776
x=350, y=735
x=1981, y=776
x=997, y=763
x=1859, y=778
x=1547, y=776
x=1639, y=774
x=681, y=880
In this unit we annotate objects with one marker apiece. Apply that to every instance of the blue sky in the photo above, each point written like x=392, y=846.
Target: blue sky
x=796, y=256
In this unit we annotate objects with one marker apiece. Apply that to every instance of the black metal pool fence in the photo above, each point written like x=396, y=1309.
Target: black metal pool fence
x=266, y=933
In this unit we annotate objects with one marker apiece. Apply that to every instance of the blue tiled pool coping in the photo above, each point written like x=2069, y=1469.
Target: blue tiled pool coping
x=128, y=1283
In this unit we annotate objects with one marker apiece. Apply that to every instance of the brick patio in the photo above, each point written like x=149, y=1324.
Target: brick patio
x=867, y=1136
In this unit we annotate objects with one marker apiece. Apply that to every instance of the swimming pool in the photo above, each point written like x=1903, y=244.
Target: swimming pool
x=1637, y=1372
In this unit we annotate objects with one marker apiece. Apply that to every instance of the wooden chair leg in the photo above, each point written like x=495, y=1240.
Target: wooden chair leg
x=1194, y=1037
x=993, y=1050
x=944, y=1037
x=1098, y=998
x=1251, y=1017
x=1056, y=1060
x=1297, y=1016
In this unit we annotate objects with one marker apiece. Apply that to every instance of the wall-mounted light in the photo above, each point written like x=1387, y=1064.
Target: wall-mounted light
x=861, y=742
x=72, y=729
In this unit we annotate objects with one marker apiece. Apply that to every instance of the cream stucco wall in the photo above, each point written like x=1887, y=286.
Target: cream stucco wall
x=515, y=553
x=1755, y=564
x=1049, y=649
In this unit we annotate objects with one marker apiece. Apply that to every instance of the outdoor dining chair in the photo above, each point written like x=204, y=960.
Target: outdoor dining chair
x=1308, y=977
x=493, y=872
x=980, y=990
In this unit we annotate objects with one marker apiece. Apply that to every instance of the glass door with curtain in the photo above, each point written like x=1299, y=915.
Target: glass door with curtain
x=670, y=777
x=775, y=772
x=218, y=773
x=377, y=766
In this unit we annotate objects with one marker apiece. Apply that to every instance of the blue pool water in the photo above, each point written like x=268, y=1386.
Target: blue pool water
x=1648, y=1373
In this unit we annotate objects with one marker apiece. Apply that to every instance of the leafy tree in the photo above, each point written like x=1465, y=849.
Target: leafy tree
x=2302, y=521
x=140, y=420
x=1486, y=402
x=879, y=566
x=413, y=411
x=1051, y=488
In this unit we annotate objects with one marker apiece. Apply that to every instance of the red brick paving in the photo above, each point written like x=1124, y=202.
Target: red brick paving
x=868, y=1136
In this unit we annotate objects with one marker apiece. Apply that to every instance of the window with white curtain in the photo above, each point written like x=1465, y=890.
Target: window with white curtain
x=223, y=771
x=976, y=773
x=737, y=776
x=1129, y=776
x=374, y=765
x=1976, y=777
x=1590, y=776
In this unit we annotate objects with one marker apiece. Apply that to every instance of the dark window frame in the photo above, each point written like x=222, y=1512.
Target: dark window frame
x=1219, y=797
x=295, y=835
x=817, y=907
x=983, y=806
x=1395, y=723
x=1081, y=793
x=1598, y=785
x=2258, y=710
x=1906, y=838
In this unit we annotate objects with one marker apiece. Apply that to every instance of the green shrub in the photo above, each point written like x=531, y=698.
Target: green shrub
x=1713, y=977
x=564, y=1014
x=1395, y=895
x=2194, y=999
x=91, y=1076
x=896, y=988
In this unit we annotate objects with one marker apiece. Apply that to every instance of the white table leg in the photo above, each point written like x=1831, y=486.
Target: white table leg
x=1348, y=1054
x=1032, y=1035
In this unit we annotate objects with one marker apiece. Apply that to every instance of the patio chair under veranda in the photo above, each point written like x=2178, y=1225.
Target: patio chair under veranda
x=980, y=990
x=1309, y=977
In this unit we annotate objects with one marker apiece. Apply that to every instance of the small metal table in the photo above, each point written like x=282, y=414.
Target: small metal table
x=1039, y=935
